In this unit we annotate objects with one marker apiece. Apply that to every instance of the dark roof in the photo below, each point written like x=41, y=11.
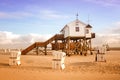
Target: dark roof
x=88, y=26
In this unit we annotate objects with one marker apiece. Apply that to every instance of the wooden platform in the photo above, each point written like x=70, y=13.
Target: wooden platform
x=76, y=45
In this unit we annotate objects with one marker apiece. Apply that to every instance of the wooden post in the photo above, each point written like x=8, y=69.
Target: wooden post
x=80, y=47
x=37, y=50
x=63, y=45
x=86, y=49
x=56, y=45
x=76, y=46
x=90, y=47
x=45, y=50
x=85, y=46
x=96, y=55
x=68, y=46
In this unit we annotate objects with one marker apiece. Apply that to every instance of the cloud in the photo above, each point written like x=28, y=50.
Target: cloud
x=110, y=35
x=113, y=40
x=114, y=28
x=14, y=15
x=105, y=2
x=11, y=40
x=50, y=14
x=43, y=14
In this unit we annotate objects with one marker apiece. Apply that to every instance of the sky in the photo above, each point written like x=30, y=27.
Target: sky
x=23, y=22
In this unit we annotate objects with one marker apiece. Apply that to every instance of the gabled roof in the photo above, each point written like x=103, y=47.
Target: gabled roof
x=73, y=22
x=64, y=27
x=88, y=26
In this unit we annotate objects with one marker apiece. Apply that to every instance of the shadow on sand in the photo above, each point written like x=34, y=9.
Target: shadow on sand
x=37, y=67
x=83, y=63
x=4, y=64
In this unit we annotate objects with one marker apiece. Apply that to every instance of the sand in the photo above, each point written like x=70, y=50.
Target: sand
x=78, y=67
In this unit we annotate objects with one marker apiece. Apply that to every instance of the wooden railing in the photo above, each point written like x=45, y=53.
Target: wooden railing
x=43, y=44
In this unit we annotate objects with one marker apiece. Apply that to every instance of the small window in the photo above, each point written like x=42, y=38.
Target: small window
x=77, y=29
x=87, y=31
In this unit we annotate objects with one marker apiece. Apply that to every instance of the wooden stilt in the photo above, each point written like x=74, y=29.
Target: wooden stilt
x=56, y=45
x=63, y=45
x=45, y=50
x=90, y=47
x=68, y=46
x=80, y=46
x=37, y=50
x=85, y=47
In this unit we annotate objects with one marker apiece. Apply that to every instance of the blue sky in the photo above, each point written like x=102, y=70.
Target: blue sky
x=43, y=17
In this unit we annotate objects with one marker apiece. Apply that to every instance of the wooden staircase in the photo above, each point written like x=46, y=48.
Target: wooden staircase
x=42, y=44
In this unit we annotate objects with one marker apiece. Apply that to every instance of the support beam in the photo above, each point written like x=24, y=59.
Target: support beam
x=84, y=46
x=80, y=46
x=37, y=50
x=63, y=45
x=45, y=50
x=68, y=46
x=56, y=44
x=90, y=47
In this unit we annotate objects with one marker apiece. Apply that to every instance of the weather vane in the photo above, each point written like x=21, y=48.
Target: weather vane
x=77, y=16
x=88, y=18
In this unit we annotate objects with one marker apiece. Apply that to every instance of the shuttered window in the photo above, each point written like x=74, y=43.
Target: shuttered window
x=77, y=29
x=87, y=31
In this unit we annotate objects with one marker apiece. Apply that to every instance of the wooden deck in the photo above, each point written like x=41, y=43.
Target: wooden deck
x=76, y=45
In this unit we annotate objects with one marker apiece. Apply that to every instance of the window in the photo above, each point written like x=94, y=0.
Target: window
x=87, y=31
x=77, y=29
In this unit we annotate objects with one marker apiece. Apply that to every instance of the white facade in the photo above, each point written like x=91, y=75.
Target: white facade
x=76, y=29
x=88, y=33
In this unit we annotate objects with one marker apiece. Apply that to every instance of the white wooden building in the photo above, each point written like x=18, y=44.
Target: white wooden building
x=77, y=29
x=77, y=37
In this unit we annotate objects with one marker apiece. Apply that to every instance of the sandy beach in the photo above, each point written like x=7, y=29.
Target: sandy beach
x=78, y=67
